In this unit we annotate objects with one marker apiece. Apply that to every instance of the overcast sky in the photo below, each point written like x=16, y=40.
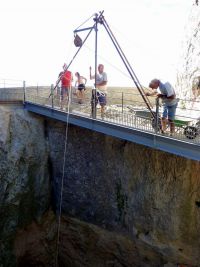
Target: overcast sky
x=37, y=38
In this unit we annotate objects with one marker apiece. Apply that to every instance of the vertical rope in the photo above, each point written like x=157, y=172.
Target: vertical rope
x=62, y=180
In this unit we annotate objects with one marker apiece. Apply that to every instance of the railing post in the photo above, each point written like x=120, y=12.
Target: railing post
x=24, y=89
x=93, y=103
x=37, y=89
x=52, y=96
x=157, y=126
x=122, y=102
x=70, y=94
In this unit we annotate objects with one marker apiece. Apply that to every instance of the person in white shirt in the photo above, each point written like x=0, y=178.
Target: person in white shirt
x=101, y=86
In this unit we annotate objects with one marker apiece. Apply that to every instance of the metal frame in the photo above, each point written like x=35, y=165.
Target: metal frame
x=99, y=19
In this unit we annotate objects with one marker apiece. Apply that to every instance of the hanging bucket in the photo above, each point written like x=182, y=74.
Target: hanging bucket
x=77, y=41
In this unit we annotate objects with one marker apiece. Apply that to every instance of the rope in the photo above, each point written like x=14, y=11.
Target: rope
x=109, y=63
x=84, y=22
x=112, y=65
x=62, y=180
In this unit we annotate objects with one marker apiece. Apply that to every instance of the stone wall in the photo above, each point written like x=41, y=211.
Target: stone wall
x=129, y=189
x=123, y=204
x=24, y=177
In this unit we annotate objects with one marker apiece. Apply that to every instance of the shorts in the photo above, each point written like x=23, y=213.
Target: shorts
x=64, y=92
x=169, y=111
x=101, y=99
x=81, y=87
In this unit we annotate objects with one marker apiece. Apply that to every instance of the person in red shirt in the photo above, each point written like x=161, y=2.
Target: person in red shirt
x=66, y=79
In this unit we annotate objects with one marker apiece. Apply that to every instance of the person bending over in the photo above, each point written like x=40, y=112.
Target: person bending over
x=166, y=92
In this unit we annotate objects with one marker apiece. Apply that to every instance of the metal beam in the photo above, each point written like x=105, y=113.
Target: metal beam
x=174, y=146
x=84, y=29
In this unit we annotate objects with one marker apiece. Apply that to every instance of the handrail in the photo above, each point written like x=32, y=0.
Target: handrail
x=123, y=108
x=127, y=109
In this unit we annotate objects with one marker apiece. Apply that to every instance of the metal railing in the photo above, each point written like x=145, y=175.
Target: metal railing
x=15, y=91
x=128, y=109
x=124, y=107
x=11, y=83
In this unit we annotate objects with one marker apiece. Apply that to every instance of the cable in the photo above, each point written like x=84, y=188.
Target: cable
x=85, y=22
x=128, y=66
x=62, y=180
x=109, y=63
x=112, y=65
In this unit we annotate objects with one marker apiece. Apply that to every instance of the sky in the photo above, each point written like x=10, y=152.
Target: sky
x=37, y=39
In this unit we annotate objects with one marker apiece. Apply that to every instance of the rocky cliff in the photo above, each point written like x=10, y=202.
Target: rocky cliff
x=188, y=80
x=24, y=177
x=147, y=196
x=123, y=204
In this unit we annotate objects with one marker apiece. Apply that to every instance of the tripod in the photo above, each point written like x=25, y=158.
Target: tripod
x=100, y=19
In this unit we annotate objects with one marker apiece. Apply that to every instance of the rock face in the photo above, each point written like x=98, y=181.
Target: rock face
x=147, y=195
x=24, y=178
x=81, y=244
x=189, y=70
x=123, y=204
